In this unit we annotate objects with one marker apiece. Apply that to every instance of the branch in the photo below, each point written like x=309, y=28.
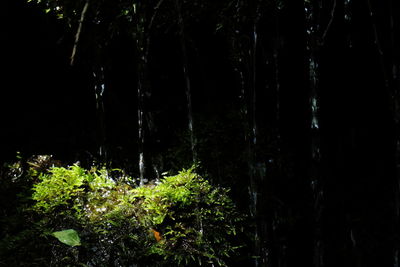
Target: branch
x=78, y=32
x=330, y=22
x=378, y=45
x=156, y=8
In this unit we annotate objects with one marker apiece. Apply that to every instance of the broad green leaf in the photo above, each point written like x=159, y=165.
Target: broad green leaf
x=69, y=237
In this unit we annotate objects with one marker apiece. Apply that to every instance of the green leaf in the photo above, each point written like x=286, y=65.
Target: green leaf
x=69, y=237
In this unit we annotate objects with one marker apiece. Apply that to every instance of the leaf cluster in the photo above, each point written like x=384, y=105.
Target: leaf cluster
x=194, y=219
x=182, y=220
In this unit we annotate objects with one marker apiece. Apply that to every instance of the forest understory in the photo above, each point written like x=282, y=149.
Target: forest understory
x=188, y=133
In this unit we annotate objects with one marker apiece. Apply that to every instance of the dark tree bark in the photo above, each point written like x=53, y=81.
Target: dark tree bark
x=333, y=116
x=357, y=141
x=295, y=130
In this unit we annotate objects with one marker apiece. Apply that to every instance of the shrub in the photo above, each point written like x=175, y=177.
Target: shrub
x=183, y=220
x=191, y=220
x=60, y=187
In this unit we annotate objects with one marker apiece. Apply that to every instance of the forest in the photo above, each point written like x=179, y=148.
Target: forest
x=200, y=133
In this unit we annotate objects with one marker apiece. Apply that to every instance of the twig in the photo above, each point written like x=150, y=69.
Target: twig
x=378, y=45
x=156, y=8
x=78, y=32
x=150, y=26
x=330, y=22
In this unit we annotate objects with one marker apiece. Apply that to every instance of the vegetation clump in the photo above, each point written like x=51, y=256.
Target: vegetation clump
x=88, y=218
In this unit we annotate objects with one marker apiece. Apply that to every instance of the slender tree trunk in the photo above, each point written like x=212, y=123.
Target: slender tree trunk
x=295, y=130
x=188, y=88
x=141, y=56
x=333, y=89
x=357, y=138
x=395, y=86
x=99, y=89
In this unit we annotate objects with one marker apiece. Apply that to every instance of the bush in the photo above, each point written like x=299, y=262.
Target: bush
x=192, y=221
x=182, y=220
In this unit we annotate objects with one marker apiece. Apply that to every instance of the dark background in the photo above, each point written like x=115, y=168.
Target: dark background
x=327, y=194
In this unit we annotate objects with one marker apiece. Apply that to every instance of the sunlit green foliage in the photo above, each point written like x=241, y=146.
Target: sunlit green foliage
x=194, y=218
x=69, y=237
x=86, y=217
x=61, y=187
